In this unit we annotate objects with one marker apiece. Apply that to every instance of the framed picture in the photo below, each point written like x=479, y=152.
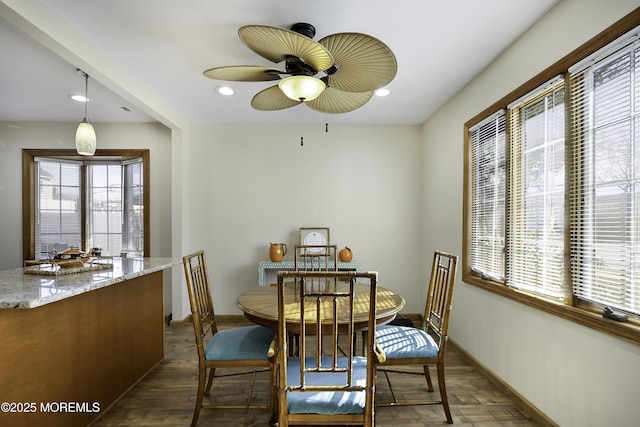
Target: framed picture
x=315, y=236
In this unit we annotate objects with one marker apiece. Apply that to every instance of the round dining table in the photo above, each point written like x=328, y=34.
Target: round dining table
x=260, y=305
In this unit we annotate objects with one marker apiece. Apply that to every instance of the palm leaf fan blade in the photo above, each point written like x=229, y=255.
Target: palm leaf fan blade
x=272, y=99
x=334, y=101
x=243, y=73
x=364, y=62
x=275, y=44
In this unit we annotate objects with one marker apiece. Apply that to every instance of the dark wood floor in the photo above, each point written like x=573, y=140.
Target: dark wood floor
x=165, y=397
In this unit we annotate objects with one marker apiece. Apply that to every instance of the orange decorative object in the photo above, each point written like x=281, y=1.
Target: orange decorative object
x=277, y=251
x=346, y=255
x=73, y=258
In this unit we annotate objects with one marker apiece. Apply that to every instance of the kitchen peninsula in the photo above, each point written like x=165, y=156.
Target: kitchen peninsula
x=72, y=344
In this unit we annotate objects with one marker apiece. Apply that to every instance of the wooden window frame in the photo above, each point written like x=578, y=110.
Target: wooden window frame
x=28, y=202
x=580, y=312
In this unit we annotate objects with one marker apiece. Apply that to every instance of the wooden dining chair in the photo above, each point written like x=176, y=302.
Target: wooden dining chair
x=230, y=348
x=404, y=345
x=321, y=386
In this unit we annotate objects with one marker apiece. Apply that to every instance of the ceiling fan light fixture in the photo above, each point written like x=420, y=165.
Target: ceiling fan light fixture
x=302, y=88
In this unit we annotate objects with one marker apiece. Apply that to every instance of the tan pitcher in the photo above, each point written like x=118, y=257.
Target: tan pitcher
x=277, y=251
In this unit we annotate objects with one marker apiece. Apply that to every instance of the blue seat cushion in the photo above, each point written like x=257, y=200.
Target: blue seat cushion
x=326, y=402
x=245, y=343
x=401, y=342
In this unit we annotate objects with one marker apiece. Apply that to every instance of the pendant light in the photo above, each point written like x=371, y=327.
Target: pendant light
x=85, y=134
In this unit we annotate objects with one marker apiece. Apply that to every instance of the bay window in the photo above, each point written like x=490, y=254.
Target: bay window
x=98, y=202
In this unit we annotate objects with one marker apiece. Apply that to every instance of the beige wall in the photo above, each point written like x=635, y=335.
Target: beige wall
x=577, y=376
x=254, y=184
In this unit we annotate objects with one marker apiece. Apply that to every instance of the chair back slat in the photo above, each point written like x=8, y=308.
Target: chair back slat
x=316, y=258
x=201, y=301
x=328, y=302
x=439, y=296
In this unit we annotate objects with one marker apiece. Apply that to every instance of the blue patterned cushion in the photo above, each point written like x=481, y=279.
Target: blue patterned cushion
x=245, y=343
x=401, y=342
x=326, y=402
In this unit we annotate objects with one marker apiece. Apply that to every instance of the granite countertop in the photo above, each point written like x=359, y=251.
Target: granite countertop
x=21, y=290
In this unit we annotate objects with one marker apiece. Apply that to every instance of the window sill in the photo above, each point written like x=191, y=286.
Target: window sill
x=590, y=318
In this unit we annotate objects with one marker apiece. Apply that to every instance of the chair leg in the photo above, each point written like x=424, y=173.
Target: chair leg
x=369, y=418
x=273, y=395
x=428, y=377
x=283, y=420
x=443, y=392
x=201, y=387
x=212, y=372
x=393, y=395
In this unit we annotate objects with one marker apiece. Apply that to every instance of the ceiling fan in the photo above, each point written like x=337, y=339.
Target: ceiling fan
x=336, y=74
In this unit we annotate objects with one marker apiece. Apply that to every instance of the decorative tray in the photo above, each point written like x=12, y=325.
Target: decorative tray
x=54, y=268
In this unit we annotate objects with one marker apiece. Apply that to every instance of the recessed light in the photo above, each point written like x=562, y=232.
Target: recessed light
x=79, y=98
x=382, y=91
x=224, y=90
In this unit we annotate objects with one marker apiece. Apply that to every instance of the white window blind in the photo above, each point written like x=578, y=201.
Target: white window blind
x=488, y=156
x=605, y=199
x=57, y=206
x=535, y=248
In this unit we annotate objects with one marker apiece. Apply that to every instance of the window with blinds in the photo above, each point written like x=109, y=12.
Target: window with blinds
x=488, y=164
x=535, y=249
x=105, y=207
x=605, y=199
x=110, y=198
x=553, y=198
x=58, y=213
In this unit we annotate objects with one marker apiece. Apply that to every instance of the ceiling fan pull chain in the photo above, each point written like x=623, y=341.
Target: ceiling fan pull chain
x=326, y=127
x=301, y=127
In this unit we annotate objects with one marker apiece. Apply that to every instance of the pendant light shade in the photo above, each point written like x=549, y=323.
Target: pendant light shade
x=86, y=138
x=85, y=134
x=302, y=88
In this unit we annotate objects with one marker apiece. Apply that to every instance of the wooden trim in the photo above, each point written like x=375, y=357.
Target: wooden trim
x=146, y=197
x=531, y=410
x=28, y=214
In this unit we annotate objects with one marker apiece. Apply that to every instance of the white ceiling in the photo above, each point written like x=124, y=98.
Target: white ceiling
x=156, y=51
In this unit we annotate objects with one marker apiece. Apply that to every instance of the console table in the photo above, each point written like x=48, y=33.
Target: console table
x=267, y=270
